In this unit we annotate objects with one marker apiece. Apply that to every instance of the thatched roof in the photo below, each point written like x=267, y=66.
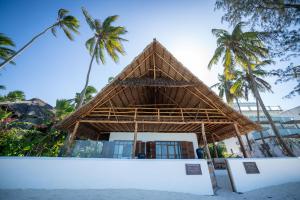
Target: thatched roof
x=34, y=110
x=162, y=95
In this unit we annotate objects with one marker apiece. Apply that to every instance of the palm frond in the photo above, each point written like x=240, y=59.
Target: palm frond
x=107, y=22
x=62, y=12
x=90, y=21
x=217, y=55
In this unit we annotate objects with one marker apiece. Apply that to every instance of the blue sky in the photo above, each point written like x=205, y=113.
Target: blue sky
x=55, y=68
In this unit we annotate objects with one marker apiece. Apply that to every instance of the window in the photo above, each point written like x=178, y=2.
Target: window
x=168, y=150
x=122, y=149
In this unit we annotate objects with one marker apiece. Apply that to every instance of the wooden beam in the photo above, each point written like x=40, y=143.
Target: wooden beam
x=170, y=65
x=238, y=135
x=154, y=67
x=153, y=122
x=71, y=139
x=205, y=141
x=134, y=139
x=182, y=117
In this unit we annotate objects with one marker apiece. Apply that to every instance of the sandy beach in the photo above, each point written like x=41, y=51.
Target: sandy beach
x=289, y=191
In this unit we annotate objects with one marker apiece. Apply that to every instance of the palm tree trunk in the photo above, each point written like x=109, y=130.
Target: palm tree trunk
x=25, y=46
x=261, y=134
x=238, y=104
x=268, y=116
x=247, y=138
x=86, y=83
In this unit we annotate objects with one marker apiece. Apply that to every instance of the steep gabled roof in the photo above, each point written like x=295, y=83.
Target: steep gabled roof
x=157, y=79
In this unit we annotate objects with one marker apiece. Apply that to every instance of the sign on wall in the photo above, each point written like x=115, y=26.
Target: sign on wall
x=251, y=167
x=193, y=169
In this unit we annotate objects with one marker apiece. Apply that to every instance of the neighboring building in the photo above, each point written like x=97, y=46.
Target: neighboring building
x=33, y=110
x=286, y=122
x=293, y=113
x=155, y=108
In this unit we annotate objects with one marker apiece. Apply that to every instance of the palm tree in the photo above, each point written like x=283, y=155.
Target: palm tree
x=244, y=49
x=67, y=23
x=5, y=44
x=224, y=87
x=63, y=108
x=89, y=93
x=242, y=84
x=106, y=37
x=16, y=95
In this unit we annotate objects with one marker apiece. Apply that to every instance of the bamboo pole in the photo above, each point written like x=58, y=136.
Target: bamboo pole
x=205, y=142
x=71, y=138
x=134, y=139
x=238, y=135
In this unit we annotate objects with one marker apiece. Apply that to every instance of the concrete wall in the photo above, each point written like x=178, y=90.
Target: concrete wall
x=273, y=171
x=90, y=173
x=191, y=137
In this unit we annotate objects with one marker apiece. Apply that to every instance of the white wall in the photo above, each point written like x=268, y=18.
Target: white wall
x=273, y=171
x=92, y=173
x=147, y=136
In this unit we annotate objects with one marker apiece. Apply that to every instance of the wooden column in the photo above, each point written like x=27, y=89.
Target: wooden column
x=238, y=135
x=134, y=139
x=215, y=147
x=71, y=139
x=205, y=142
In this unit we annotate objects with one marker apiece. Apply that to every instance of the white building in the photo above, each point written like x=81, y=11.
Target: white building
x=286, y=123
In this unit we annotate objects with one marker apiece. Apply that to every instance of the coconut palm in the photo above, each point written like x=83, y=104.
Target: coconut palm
x=224, y=87
x=68, y=23
x=5, y=47
x=242, y=85
x=105, y=38
x=63, y=108
x=89, y=93
x=244, y=49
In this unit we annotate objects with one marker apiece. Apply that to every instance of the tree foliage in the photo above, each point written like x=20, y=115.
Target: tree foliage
x=65, y=107
x=279, y=20
x=245, y=50
x=221, y=148
x=16, y=95
x=288, y=74
x=17, y=139
x=5, y=47
x=223, y=87
x=106, y=38
x=237, y=48
x=68, y=23
x=242, y=84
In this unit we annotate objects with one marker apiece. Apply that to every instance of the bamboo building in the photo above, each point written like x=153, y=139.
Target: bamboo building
x=158, y=109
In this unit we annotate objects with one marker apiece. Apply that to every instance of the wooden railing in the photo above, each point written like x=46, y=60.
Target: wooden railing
x=155, y=114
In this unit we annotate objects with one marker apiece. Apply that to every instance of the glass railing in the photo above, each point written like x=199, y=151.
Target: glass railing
x=88, y=149
x=283, y=132
x=102, y=149
x=263, y=118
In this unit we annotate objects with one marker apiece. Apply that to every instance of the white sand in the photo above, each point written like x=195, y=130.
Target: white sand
x=289, y=191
